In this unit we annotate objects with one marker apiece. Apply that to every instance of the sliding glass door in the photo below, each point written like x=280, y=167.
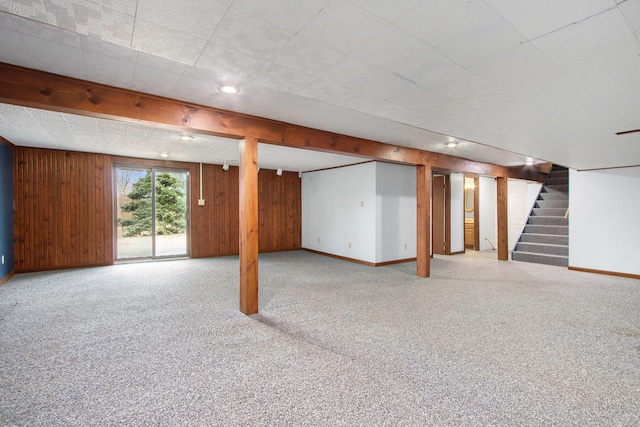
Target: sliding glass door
x=151, y=213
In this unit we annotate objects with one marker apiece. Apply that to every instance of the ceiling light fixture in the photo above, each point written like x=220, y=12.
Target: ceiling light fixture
x=164, y=155
x=529, y=161
x=225, y=166
x=228, y=89
x=452, y=144
x=187, y=137
x=300, y=174
x=279, y=172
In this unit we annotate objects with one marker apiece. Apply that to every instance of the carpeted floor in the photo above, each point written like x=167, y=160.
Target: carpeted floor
x=481, y=342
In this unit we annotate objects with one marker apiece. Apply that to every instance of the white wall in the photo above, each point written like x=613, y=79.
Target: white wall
x=520, y=199
x=395, y=212
x=488, y=217
x=603, y=220
x=338, y=209
x=371, y=206
x=456, y=183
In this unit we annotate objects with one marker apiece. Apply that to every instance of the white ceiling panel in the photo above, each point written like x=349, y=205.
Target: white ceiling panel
x=167, y=43
x=280, y=13
x=343, y=26
x=199, y=19
x=387, y=10
x=536, y=19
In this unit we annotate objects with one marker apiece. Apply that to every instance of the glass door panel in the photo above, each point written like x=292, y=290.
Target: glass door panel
x=151, y=213
x=170, y=213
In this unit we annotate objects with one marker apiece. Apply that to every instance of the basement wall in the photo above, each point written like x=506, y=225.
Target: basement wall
x=6, y=211
x=364, y=212
x=521, y=197
x=488, y=216
x=603, y=220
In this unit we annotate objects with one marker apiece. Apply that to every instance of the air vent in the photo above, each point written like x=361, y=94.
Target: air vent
x=627, y=131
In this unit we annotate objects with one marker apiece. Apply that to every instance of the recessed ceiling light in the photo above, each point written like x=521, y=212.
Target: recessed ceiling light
x=228, y=89
x=187, y=137
x=164, y=155
x=529, y=161
x=452, y=143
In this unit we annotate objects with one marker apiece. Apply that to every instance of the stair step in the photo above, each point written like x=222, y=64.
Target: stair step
x=559, y=174
x=552, y=203
x=550, y=239
x=540, y=248
x=558, y=168
x=553, y=195
x=561, y=261
x=549, y=212
x=548, y=220
x=558, y=230
x=560, y=180
x=562, y=188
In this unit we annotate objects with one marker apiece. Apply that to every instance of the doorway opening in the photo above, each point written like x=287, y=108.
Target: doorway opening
x=151, y=213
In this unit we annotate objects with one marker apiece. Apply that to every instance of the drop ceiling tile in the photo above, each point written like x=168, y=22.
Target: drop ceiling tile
x=396, y=51
x=31, y=9
x=352, y=73
x=22, y=129
x=166, y=43
x=12, y=50
x=46, y=32
x=343, y=26
x=194, y=90
x=436, y=21
x=123, y=6
x=631, y=11
x=228, y=62
x=55, y=58
x=281, y=78
x=306, y=56
x=280, y=13
x=480, y=44
x=199, y=18
x=154, y=80
x=92, y=44
x=250, y=36
x=89, y=18
x=536, y=19
x=387, y=10
x=109, y=70
x=5, y=21
x=160, y=63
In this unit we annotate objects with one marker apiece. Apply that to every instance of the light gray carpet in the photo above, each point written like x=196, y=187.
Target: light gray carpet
x=481, y=342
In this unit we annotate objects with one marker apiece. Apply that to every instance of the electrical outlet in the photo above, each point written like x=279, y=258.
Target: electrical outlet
x=349, y=245
x=362, y=204
x=200, y=202
x=405, y=246
x=318, y=240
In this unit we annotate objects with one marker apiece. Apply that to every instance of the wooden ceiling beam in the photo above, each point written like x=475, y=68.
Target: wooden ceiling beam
x=38, y=89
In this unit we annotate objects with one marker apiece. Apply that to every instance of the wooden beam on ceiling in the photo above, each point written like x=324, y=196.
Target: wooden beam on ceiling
x=38, y=89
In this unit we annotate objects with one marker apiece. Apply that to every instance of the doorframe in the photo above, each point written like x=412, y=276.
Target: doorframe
x=447, y=212
x=151, y=166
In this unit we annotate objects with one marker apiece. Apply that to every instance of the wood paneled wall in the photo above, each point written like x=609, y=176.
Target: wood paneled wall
x=64, y=209
x=279, y=211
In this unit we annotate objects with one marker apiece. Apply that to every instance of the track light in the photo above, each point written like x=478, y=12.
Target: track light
x=300, y=174
x=225, y=166
x=279, y=172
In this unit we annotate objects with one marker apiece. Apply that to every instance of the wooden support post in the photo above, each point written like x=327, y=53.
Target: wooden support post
x=503, y=215
x=249, y=226
x=423, y=197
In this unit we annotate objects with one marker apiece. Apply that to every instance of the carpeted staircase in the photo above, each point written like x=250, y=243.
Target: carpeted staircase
x=545, y=239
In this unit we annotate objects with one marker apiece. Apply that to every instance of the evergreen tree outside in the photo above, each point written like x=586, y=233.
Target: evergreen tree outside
x=170, y=206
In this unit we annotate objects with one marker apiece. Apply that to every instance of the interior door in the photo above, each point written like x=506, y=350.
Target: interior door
x=439, y=214
x=151, y=213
